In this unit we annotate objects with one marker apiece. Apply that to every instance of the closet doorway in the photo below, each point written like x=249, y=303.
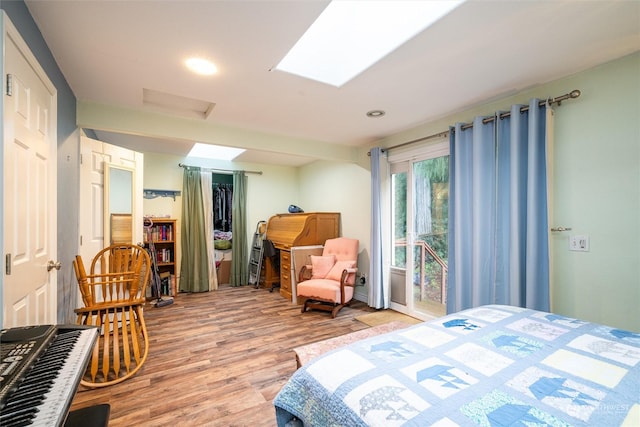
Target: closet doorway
x=222, y=191
x=222, y=202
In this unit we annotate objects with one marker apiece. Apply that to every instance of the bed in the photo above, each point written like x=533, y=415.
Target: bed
x=490, y=366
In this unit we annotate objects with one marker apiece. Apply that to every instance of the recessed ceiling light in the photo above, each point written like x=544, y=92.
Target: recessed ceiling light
x=217, y=152
x=201, y=66
x=349, y=36
x=375, y=113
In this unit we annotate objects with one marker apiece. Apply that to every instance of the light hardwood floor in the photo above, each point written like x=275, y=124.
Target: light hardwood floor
x=218, y=359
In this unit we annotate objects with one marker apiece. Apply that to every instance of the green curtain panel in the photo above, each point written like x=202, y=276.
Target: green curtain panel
x=239, y=251
x=194, y=270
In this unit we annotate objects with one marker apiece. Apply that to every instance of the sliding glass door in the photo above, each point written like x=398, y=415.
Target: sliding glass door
x=429, y=234
x=420, y=208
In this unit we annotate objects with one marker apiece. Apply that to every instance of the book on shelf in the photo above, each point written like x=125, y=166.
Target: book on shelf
x=162, y=233
x=164, y=255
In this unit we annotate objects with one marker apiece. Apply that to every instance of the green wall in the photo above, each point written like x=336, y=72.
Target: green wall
x=596, y=188
x=345, y=188
x=597, y=193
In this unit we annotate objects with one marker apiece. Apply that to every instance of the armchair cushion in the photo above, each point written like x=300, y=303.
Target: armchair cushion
x=336, y=271
x=321, y=265
x=324, y=289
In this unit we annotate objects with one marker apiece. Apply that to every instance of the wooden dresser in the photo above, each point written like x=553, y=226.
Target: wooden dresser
x=298, y=229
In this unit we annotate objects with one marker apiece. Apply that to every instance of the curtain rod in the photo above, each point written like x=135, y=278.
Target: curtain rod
x=557, y=100
x=219, y=170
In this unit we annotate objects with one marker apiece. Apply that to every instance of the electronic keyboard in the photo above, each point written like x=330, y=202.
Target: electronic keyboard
x=40, y=370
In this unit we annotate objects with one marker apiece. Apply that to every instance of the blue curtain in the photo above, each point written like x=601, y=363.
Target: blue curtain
x=379, y=296
x=498, y=223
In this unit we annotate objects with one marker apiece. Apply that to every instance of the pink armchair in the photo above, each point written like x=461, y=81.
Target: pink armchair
x=328, y=282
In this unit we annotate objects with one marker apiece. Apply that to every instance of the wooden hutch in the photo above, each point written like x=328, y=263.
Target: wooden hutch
x=297, y=229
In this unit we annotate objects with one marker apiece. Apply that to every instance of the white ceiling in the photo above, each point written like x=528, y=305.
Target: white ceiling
x=109, y=51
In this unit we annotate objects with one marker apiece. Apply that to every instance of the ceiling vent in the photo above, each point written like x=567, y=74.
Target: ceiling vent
x=178, y=105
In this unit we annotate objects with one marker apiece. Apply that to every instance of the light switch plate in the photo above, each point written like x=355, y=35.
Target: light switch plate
x=579, y=243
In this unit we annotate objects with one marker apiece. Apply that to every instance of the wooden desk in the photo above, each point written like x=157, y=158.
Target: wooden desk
x=298, y=229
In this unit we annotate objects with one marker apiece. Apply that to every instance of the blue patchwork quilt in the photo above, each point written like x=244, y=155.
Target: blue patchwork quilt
x=489, y=366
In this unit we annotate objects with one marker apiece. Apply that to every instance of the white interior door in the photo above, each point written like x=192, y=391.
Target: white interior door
x=91, y=196
x=94, y=156
x=30, y=198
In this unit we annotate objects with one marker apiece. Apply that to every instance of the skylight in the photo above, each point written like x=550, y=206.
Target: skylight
x=208, y=151
x=350, y=36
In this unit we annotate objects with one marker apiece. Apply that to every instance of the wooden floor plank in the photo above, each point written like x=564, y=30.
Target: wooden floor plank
x=218, y=359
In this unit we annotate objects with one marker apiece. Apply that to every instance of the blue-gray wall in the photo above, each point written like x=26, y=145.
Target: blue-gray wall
x=21, y=18
x=68, y=154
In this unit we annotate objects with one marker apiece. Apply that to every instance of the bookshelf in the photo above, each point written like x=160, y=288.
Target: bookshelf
x=163, y=235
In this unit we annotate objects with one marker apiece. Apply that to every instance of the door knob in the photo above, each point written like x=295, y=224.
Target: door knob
x=51, y=265
x=561, y=229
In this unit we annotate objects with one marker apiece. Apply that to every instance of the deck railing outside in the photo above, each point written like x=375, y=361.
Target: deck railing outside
x=422, y=262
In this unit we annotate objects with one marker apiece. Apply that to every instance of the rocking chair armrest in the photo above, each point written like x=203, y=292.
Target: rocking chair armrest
x=107, y=305
x=347, y=274
x=305, y=273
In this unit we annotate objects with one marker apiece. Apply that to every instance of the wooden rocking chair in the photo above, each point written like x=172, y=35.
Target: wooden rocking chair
x=113, y=295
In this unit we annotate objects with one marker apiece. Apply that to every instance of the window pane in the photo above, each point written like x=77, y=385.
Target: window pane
x=399, y=209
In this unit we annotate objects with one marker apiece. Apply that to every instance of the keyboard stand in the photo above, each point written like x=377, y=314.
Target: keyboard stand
x=92, y=416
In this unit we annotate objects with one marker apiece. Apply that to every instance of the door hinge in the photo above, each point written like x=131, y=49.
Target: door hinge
x=80, y=240
x=9, y=84
x=7, y=264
